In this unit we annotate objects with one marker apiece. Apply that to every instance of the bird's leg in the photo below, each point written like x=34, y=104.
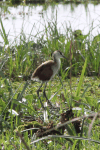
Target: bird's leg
x=44, y=93
x=39, y=96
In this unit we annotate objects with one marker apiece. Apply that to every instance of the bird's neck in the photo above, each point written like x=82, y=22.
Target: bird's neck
x=57, y=61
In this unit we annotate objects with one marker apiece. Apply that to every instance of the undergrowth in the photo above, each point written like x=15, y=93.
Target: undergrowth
x=75, y=124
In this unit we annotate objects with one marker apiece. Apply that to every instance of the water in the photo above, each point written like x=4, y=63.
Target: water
x=31, y=20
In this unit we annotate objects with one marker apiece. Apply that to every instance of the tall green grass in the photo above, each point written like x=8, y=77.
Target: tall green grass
x=21, y=119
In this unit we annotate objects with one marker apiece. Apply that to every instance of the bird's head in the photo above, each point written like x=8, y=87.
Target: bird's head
x=58, y=54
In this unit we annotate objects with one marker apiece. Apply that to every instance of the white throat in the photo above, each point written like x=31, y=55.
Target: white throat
x=56, y=67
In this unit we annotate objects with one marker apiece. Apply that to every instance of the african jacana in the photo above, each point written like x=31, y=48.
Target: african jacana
x=46, y=71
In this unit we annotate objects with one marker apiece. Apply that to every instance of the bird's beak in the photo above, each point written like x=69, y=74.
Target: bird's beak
x=64, y=57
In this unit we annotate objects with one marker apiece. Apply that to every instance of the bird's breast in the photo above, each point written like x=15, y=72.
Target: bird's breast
x=55, y=68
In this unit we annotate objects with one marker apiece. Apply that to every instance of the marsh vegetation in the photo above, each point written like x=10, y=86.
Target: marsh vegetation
x=75, y=124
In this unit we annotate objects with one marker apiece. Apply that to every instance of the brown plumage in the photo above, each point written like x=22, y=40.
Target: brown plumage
x=44, y=71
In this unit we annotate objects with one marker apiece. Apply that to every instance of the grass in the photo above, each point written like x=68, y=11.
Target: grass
x=22, y=123
x=16, y=2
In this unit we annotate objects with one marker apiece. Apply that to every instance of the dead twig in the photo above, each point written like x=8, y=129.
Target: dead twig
x=23, y=141
x=67, y=122
x=91, y=124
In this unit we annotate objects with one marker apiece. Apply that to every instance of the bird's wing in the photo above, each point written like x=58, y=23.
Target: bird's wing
x=45, y=72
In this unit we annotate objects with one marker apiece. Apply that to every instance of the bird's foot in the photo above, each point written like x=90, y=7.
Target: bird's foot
x=51, y=105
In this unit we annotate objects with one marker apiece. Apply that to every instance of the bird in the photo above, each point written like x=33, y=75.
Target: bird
x=46, y=71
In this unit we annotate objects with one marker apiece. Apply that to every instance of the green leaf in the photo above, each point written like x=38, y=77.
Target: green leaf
x=81, y=78
x=6, y=82
x=70, y=131
x=3, y=33
x=22, y=92
x=83, y=94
